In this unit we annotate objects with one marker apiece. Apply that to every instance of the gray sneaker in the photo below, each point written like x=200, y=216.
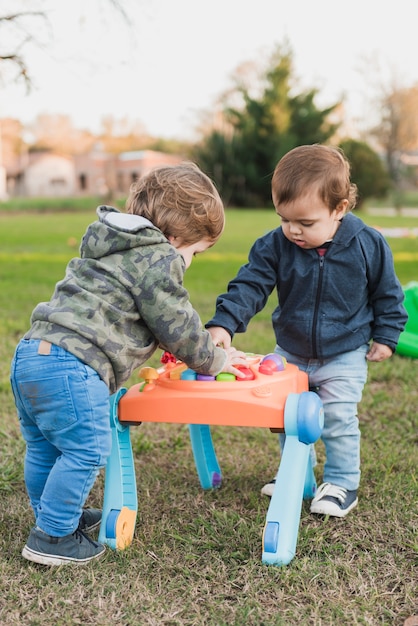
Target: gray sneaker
x=333, y=500
x=46, y=550
x=89, y=520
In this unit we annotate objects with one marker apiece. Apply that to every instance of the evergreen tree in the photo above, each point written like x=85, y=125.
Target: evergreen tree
x=241, y=157
x=368, y=171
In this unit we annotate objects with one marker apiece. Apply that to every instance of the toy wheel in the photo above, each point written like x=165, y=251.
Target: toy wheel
x=111, y=522
x=120, y=525
x=310, y=417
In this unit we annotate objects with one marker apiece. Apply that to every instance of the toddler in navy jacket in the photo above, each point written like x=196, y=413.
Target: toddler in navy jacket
x=340, y=303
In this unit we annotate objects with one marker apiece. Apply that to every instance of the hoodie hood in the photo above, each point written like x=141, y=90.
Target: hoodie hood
x=351, y=227
x=115, y=232
x=122, y=299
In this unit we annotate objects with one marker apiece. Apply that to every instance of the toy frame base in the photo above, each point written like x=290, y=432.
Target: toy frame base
x=279, y=401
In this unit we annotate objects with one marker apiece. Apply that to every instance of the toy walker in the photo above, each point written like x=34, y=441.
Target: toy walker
x=273, y=394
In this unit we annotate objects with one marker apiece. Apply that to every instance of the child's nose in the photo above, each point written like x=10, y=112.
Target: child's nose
x=294, y=228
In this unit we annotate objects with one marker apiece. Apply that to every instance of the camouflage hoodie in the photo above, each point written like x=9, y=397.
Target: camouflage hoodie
x=122, y=299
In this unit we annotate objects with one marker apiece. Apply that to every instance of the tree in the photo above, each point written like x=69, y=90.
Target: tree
x=56, y=132
x=21, y=28
x=15, y=35
x=395, y=130
x=265, y=121
x=368, y=171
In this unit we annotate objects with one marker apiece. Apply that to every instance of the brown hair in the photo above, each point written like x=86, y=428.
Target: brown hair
x=322, y=167
x=181, y=201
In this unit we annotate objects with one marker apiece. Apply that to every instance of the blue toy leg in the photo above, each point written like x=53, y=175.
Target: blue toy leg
x=120, y=503
x=207, y=465
x=310, y=486
x=283, y=515
x=303, y=425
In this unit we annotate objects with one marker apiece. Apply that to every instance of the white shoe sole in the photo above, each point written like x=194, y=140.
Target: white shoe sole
x=268, y=489
x=49, y=559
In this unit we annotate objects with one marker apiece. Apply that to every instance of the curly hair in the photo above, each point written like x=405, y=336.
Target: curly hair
x=181, y=201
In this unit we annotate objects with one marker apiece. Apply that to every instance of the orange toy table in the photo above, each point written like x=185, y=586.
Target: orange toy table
x=274, y=395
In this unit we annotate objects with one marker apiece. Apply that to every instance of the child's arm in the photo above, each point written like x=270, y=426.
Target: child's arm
x=249, y=291
x=378, y=352
x=385, y=296
x=166, y=310
x=220, y=336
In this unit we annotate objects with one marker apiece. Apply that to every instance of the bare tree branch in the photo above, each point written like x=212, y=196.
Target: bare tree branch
x=22, y=23
x=15, y=59
x=14, y=16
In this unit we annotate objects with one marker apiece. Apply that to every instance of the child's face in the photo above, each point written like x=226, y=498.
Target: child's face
x=190, y=250
x=307, y=221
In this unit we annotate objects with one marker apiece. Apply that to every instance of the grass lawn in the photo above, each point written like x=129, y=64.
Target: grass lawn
x=196, y=556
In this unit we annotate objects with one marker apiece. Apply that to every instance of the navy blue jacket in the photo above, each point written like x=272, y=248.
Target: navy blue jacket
x=326, y=305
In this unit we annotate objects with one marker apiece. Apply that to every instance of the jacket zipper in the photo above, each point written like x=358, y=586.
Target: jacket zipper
x=315, y=317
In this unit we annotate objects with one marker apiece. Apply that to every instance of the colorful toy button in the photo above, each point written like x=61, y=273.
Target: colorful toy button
x=272, y=363
x=225, y=377
x=167, y=358
x=205, y=378
x=149, y=374
x=175, y=371
x=188, y=375
x=249, y=374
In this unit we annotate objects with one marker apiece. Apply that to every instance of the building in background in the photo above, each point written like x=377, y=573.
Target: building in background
x=47, y=175
x=103, y=174
x=44, y=173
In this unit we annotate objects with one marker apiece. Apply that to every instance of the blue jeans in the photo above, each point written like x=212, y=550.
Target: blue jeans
x=340, y=380
x=63, y=409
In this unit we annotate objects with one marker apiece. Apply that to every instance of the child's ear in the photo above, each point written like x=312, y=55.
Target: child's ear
x=341, y=209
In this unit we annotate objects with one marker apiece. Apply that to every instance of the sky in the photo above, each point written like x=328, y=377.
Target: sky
x=177, y=57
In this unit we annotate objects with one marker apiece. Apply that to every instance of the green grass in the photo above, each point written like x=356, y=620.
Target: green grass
x=51, y=205
x=196, y=556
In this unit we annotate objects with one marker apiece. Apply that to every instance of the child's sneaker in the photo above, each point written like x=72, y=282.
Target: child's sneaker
x=268, y=489
x=333, y=500
x=89, y=520
x=46, y=550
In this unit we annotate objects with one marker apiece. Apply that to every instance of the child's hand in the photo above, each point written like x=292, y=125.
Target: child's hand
x=235, y=357
x=220, y=336
x=378, y=352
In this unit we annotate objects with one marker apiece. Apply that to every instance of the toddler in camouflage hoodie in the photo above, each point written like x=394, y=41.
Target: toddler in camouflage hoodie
x=120, y=300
